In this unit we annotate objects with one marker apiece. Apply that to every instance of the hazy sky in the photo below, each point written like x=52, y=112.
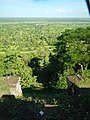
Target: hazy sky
x=43, y=8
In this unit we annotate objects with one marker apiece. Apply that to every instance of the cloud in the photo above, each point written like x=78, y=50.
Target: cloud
x=15, y=1
x=60, y=10
x=63, y=10
x=8, y=0
x=18, y=2
x=86, y=10
x=39, y=0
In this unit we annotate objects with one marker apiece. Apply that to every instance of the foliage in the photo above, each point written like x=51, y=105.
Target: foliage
x=71, y=55
x=44, y=50
x=12, y=64
x=27, y=79
x=62, y=82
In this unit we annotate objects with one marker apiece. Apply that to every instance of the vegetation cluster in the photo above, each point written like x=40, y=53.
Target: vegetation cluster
x=43, y=52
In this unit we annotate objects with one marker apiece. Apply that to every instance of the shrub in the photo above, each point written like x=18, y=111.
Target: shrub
x=61, y=83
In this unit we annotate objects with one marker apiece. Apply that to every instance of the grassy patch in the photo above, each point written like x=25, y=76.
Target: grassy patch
x=4, y=88
x=84, y=83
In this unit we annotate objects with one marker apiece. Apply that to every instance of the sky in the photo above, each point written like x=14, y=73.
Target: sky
x=44, y=8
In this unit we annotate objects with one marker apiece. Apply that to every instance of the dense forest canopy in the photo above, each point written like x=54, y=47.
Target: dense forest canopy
x=44, y=50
